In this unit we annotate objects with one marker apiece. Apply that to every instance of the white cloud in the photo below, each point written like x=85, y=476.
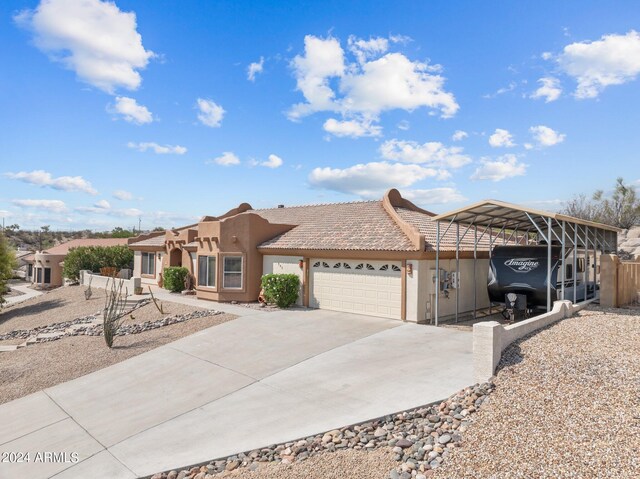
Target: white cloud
x=254, y=69
x=103, y=204
x=55, y=206
x=395, y=82
x=375, y=82
x=545, y=136
x=366, y=49
x=159, y=149
x=549, y=89
x=432, y=153
x=44, y=178
x=403, y=125
x=502, y=168
x=351, y=128
x=211, y=114
x=226, y=159
x=101, y=209
x=434, y=196
x=131, y=110
x=122, y=195
x=501, y=138
x=95, y=39
x=459, y=135
x=323, y=59
x=501, y=91
x=273, y=161
x=369, y=180
x=612, y=60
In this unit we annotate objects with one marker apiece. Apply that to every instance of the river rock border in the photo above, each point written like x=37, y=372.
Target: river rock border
x=92, y=326
x=420, y=438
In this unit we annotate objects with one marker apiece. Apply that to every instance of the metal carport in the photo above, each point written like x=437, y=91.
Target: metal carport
x=513, y=224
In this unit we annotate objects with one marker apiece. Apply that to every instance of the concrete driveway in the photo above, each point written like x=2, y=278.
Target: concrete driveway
x=261, y=379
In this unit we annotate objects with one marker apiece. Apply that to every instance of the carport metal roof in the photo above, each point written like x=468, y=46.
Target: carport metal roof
x=527, y=226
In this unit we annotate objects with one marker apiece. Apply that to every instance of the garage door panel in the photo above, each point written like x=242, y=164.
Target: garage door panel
x=374, y=288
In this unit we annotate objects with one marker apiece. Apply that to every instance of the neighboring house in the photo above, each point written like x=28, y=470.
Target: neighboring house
x=371, y=257
x=45, y=267
x=23, y=260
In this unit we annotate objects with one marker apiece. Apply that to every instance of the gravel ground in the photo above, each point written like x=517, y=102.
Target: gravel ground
x=40, y=366
x=68, y=303
x=348, y=464
x=566, y=404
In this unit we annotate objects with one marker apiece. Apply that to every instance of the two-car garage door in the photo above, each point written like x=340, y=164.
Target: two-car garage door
x=356, y=286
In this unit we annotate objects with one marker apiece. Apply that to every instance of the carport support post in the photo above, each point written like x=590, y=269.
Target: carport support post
x=586, y=262
x=436, y=282
x=564, y=266
x=475, y=257
x=595, y=261
x=575, y=263
x=457, y=269
x=549, y=233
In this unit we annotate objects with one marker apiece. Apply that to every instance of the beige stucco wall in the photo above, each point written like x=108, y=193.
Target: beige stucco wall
x=285, y=265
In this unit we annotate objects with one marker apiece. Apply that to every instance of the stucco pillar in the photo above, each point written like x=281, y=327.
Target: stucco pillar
x=609, y=280
x=487, y=349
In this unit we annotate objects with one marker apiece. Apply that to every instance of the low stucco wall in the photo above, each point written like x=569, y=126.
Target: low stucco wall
x=98, y=281
x=490, y=338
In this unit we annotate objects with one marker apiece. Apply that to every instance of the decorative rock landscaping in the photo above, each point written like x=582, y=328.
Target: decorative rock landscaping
x=92, y=326
x=420, y=438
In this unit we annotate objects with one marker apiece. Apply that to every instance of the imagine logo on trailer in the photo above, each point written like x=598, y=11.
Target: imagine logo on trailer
x=522, y=265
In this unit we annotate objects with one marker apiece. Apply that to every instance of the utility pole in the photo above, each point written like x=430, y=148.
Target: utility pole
x=139, y=224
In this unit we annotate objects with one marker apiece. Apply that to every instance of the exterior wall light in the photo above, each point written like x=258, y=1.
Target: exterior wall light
x=301, y=263
x=409, y=269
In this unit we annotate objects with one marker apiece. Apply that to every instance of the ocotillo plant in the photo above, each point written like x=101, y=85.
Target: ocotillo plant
x=155, y=301
x=114, y=310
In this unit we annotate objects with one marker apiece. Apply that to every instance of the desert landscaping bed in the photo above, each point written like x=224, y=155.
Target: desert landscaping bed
x=566, y=404
x=52, y=362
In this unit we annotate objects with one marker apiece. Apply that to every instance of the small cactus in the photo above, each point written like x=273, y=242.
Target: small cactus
x=88, y=292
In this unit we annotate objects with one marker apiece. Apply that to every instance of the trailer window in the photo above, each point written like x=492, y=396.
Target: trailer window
x=568, y=271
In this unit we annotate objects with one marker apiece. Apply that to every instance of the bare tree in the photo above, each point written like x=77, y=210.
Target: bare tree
x=621, y=209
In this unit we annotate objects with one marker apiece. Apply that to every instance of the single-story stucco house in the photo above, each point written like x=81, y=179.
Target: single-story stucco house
x=44, y=268
x=367, y=257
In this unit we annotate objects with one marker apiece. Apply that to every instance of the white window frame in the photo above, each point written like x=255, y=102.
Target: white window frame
x=215, y=266
x=225, y=272
x=152, y=263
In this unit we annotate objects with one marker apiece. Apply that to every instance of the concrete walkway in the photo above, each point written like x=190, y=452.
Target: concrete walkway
x=28, y=293
x=263, y=378
x=163, y=295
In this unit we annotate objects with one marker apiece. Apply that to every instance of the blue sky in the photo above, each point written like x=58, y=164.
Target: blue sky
x=170, y=110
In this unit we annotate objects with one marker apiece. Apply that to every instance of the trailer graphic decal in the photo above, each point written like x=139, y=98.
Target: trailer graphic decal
x=522, y=265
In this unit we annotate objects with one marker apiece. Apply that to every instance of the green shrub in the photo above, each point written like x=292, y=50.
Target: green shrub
x=95, y=258
x=174, y=277
x=281, y=289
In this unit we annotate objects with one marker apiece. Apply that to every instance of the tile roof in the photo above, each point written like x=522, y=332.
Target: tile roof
x=64, y=248
x=153, y=241
x=427, y=227
x=363, y=225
